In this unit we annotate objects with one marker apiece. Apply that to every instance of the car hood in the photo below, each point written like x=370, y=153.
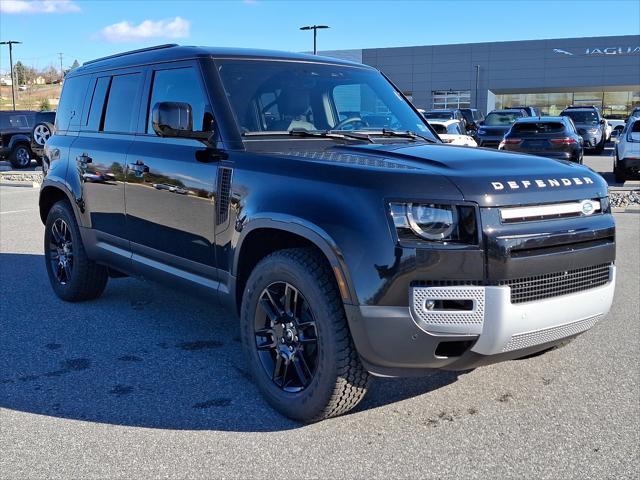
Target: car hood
x=494, y=178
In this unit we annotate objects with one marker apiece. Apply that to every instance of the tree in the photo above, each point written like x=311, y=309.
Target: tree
x=75, y=64
x=45, y=106
x=19, y=73
x=50, y=74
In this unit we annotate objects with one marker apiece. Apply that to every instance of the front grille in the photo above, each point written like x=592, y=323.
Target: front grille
x=549, y=285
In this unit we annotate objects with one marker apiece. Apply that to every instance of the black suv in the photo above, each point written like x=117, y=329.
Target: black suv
x=345, y=248
x=15, y=136
x=553, y=137
x=591, y=126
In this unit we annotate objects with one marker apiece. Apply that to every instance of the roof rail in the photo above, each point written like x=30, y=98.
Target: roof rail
x=130, y=52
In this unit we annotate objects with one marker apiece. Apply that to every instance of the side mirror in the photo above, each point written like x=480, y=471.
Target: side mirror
x=481, y=122
x=175, y=120
x=602, y=121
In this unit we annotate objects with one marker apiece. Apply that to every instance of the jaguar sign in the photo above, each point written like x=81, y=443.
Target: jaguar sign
x=600, y=51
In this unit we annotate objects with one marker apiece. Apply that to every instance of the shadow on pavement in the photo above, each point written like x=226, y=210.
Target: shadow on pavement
x=141, y=355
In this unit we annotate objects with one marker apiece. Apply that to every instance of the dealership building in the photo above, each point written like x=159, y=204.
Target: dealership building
x=550, y=74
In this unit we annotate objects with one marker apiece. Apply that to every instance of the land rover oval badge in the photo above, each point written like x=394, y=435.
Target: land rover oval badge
x=588, y=207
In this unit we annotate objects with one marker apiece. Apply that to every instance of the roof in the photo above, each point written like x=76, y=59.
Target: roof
x=540, y=119
x=173, y=52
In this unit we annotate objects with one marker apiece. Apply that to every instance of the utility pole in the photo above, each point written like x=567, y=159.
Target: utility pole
x=61, y=70
x=13, y=83
x=477, y=80
x=315, y=34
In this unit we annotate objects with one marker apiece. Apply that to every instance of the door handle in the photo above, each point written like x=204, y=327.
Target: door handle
x=84, y=159
x=139, y=168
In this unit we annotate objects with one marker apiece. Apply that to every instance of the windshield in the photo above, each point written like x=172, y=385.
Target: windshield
x=496, y=119
x=583, y=118
x=281, y=96
x=435, y=114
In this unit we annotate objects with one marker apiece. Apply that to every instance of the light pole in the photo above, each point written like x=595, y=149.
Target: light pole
x=477, y=80
x=315, y=34
x=13, y=83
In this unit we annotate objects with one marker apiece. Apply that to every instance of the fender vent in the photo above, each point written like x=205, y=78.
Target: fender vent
x=224, y=193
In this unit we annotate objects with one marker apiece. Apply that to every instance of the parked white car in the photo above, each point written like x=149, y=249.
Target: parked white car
x=627, y=151
x=615, y=125
x=452, y=131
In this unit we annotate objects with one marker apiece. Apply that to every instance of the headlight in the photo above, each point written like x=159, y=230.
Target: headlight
x=592, y=130
x=481, y=131
x=435, y=222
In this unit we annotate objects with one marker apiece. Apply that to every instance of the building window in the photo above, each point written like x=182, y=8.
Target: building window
x=451, y=98
x=612, y=104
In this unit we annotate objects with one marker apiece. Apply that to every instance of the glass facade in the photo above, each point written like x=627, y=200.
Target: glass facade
x=612, y=104
x=451, y=99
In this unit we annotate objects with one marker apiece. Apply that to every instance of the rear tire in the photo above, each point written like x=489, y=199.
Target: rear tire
x=618, y=172
x=20, y=156
x=336, y=381
x=73, y=276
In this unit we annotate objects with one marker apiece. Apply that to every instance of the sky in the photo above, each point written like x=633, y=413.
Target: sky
x=87, y=29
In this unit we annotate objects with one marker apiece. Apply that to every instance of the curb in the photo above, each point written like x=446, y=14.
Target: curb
x=20, y=184
x=635, y=209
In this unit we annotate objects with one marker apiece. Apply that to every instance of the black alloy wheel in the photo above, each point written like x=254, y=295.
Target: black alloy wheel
x=286, y=337
x=296, y=337
x=73, y=275
x=61, y=251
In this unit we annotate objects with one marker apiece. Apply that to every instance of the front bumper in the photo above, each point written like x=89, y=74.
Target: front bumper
x=489, y=140
x=590, y=140
x=405, y=341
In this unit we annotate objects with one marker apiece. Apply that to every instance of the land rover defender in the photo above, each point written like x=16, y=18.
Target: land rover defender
x=308, y=195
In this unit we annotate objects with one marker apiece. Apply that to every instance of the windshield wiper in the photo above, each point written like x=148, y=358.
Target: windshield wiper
x=406, y=134
x=315, y=133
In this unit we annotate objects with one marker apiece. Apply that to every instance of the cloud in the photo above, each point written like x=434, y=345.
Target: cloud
x=125, y=31
x=38, y=6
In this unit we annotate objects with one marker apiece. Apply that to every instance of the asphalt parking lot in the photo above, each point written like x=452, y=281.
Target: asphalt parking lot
x=147, y=382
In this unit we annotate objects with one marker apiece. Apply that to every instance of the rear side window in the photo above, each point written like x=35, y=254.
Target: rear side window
x=636, y=127
x=69, y=114
x=121, y=112
x=15, y=120
x=180, y=85
x=540, y=127
x=96, y=108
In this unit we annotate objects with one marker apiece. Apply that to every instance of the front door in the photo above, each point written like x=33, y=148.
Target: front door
x=170, y=185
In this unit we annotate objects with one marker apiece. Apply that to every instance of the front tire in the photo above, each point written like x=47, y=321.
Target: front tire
x=73, y=276
x=296, y=338
x=20, y=156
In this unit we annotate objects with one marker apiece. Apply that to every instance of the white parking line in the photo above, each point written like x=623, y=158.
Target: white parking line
x=20, y=211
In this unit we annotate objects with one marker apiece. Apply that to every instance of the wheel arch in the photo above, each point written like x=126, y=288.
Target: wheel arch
x=50, y=194
x=263, y=236
x=19, y=139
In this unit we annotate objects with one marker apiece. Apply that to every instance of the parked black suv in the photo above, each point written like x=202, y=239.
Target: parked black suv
x=345, y=248
x=591, y=126
x=492, y=129
x=15, y=136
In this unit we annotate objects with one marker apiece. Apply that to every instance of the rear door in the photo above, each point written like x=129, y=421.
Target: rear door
x=99, y=155
x=171, y=183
